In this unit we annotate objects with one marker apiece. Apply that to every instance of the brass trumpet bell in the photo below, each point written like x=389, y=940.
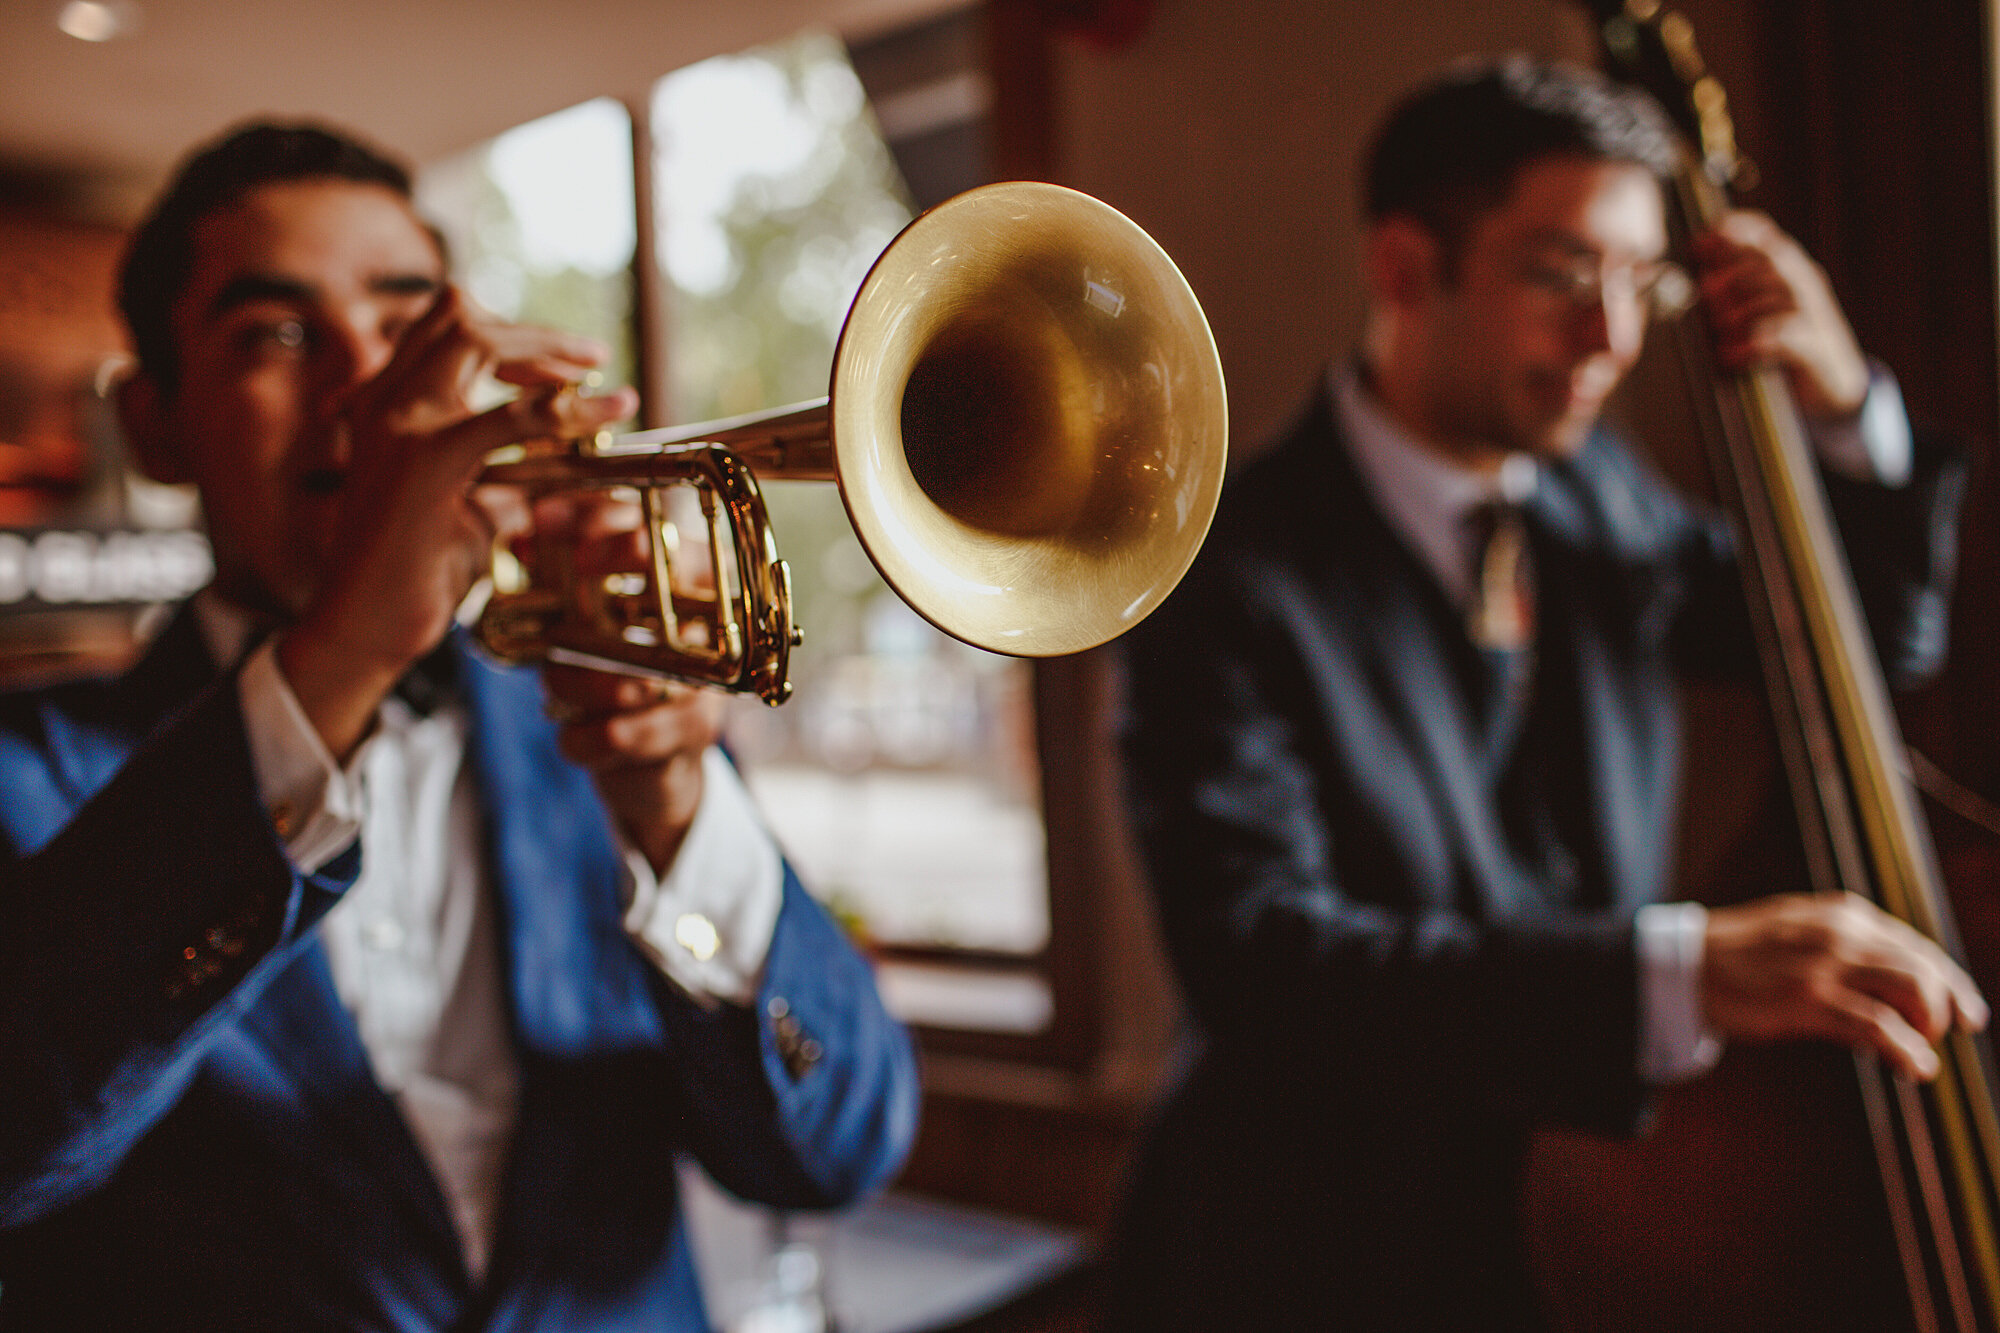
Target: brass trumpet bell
x=1027, y=423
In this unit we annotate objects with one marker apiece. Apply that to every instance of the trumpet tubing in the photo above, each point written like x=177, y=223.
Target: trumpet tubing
x=732, y=630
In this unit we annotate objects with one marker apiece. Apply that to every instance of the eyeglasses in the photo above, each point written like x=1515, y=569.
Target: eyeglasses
x=1583, y=282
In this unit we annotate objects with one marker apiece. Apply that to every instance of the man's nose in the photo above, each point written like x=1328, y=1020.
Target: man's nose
x=1614, y=322
x=356, y=353
x=348, y=357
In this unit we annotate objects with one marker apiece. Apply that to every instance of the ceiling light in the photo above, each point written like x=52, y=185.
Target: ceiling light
x=98, y=20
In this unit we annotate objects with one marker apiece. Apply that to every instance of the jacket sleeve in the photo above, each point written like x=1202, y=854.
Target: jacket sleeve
x=1900, y=545
x=809, y=1098
x=136, y=921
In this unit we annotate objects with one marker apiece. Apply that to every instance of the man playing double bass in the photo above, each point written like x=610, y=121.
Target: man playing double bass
x=1403, y=747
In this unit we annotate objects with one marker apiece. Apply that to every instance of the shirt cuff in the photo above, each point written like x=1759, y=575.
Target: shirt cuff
x=707, y=923
x=1674, y=1043
x=1874, y=444
x=313, y=804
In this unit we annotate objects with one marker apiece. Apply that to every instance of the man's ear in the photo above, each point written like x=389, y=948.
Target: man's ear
x=1404, y=262
x=143, y=411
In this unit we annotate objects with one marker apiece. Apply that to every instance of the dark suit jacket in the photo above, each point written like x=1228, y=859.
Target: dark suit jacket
x=1398, y=899
x=190, y=1134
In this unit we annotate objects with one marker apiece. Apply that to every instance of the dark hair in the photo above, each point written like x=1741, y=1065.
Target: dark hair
x=1451, y=151
x=160, y=257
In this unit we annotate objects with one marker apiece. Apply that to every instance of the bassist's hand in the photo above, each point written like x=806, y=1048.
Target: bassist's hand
x=1837, y=967
x=1769, y=303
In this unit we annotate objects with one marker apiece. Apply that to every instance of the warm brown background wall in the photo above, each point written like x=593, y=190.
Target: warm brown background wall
x=1232, y=133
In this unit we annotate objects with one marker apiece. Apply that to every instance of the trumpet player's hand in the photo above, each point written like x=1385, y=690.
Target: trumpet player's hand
x=642, y=742
x=401, y=449
x=1834, y=966
x=1769, y=303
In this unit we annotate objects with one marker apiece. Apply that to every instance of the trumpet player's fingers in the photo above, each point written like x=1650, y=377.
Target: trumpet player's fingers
x=412, y=537
x=642, y=742
x=441, y=358
x=462, y=446
x=507, y=510
x=611, y=721
x=464, y=335
x=589, y=516
x=570, y=361
x=580, y=694
x=608, y=533
x=647, y=763
x=683, y=724
x=598, y=541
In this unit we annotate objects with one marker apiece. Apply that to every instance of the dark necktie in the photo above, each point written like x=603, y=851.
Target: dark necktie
x=1501, y=616
x=1523, y=752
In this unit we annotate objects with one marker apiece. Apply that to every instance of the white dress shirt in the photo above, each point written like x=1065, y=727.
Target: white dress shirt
x=414, y=946
x=1427, y=499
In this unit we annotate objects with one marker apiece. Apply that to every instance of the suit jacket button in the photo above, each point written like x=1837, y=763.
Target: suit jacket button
x=797, y=1062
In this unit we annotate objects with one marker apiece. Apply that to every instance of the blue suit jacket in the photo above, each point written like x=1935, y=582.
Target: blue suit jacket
x=190, y=1133
x=1399, y=903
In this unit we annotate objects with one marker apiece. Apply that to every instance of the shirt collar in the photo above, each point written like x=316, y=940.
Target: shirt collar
x=1425, y=496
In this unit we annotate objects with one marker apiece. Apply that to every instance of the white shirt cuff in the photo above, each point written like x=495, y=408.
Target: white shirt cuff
x=1674, y=1041
x=314, y=805
x=1874, y=444
x=708, y=922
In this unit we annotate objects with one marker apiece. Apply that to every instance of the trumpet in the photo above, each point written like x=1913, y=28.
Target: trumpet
x=1027, y=424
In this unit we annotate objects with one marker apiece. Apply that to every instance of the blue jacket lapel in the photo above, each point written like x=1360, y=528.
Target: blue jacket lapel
x=571, y=971
x=305, y=1031
x=87, y=746
x=296, y=1044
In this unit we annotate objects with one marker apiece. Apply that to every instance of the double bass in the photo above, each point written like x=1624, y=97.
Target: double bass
x=1796, y=1187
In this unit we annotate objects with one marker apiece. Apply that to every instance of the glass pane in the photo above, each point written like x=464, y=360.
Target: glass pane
x=541, y=224
x=901, y=777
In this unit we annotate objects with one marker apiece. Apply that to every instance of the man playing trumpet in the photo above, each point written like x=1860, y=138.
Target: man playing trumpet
x=324, y=1006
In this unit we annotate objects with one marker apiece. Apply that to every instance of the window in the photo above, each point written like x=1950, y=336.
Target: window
x=960, y=809
x=541, y=224
x=901, y=778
